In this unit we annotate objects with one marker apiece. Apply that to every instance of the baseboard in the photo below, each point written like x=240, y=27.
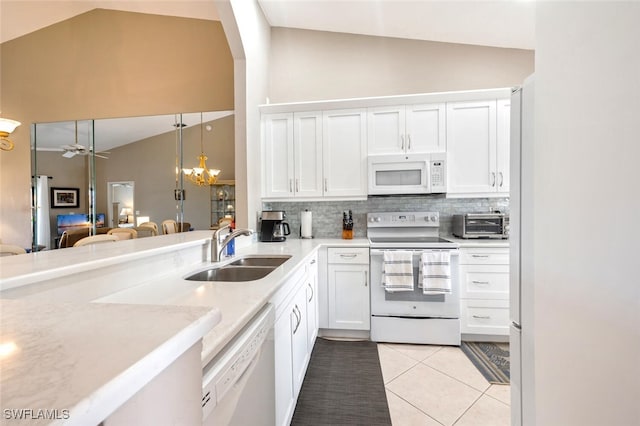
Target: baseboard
x=330, y=333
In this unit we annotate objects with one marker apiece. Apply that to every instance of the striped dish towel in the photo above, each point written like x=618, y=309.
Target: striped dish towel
x=435, y=272
x=397, y=271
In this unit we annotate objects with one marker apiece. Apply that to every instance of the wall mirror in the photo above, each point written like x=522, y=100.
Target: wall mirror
x=134, y=162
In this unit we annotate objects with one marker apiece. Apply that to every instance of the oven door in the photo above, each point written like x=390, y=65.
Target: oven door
x=413, y=303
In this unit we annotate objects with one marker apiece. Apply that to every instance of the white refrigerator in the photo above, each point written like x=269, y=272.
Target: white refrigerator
x=521, y=255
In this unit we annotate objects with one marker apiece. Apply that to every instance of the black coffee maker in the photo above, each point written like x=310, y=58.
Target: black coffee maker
x=273, y=228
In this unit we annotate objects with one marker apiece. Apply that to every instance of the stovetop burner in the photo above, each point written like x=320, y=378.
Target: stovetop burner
x=402, y=230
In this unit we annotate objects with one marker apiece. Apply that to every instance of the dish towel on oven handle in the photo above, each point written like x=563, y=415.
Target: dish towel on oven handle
x=435, y=272
x=397, y=271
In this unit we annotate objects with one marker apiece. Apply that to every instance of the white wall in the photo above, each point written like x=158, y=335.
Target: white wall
x=248, y=35
x=587, y=204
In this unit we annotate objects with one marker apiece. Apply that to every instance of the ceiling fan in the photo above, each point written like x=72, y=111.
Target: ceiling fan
x=71, y=151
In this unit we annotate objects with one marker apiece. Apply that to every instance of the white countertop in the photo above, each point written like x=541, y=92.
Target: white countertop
x=49, y=264
x=238, y=302
x=88, y=358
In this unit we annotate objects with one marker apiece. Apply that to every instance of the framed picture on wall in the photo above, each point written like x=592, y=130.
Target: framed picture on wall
x=65, y=198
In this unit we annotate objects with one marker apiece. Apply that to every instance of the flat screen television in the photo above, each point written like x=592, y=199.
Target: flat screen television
x=77, y=221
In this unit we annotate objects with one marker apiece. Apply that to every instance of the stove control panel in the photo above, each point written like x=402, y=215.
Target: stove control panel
x=403, y=219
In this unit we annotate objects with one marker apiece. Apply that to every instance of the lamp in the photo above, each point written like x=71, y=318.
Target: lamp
x=6, y=127
x=201, y=175
x=126, y=212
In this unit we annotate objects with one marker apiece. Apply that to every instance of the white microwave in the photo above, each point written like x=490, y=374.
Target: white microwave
x=407, y=174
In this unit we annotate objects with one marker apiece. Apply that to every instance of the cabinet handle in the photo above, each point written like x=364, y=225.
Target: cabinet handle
x=480, y=255
x=493, y=178
x=501, y=179
x=310, y=288
x=480, y=282
x=482, y=316
x=297, y=185
x=348, y=255
x=290, y=185
x=312, y=262
x=408, y=142
x=402, y=142
x=295, y=329
x=366, y=278
x=325, y=184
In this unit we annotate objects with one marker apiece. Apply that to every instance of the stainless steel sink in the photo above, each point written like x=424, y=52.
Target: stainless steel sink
x=232, y=273
x=261, y=260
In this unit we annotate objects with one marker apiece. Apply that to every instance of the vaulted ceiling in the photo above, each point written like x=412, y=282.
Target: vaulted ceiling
x=505, y=23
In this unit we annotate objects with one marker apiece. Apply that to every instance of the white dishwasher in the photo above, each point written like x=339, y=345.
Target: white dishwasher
x=238, y=384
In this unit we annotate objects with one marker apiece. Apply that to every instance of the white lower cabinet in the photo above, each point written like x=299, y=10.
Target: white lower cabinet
x=484, y=291
x=295, y=330
x=348, y=288
x=312, y=303
x=298, y=325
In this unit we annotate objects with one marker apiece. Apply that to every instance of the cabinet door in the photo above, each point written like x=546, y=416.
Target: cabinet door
x=285, y=401
x=312, y=304
x=344, y=136
x=471, y=147
x=426, y=131
x=278, y=157
x=299, y=352
x=503, y=144
x=307, y=136
x=349, y=297
x=386, y=130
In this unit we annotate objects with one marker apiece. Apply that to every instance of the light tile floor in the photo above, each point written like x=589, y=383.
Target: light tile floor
x=437, y=385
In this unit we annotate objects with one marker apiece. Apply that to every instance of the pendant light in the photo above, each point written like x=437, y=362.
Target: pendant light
x=201, y=175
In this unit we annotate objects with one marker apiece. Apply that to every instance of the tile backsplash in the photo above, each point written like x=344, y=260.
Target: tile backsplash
x=327, y=215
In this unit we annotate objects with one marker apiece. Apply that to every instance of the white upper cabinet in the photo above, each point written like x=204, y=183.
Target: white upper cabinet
x=292, y=155
x=503, y=144
x=406, y=129
x=278, y=155
x=478, y=148
x=307, y=137
x=344, y=136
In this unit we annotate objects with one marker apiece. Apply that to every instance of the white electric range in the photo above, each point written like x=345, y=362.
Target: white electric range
x=411, y=316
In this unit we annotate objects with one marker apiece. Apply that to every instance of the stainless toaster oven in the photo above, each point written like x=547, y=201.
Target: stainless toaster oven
x=480, y=225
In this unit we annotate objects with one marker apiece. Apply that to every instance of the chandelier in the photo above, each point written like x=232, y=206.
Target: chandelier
x=201, y=175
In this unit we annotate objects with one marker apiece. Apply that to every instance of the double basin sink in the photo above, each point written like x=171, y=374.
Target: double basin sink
x=246, y=268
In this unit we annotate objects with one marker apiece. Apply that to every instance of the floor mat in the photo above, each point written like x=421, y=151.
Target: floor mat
x=343, y=386
x=491, y=359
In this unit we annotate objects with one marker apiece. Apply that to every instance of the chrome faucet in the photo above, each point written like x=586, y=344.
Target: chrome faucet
x=217, y=246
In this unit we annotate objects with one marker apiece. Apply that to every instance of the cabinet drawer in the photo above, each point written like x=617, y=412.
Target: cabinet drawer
x=484, y=282
x=484, y=317
x=359, y=255
x=481, y=256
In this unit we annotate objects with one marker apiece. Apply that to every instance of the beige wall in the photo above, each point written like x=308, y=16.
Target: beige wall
x=150, y=164
x=103, y=64
x=316, y=65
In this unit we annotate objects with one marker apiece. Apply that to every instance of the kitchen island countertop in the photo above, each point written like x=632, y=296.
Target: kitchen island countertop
x=74, y=364
x=58, y=331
